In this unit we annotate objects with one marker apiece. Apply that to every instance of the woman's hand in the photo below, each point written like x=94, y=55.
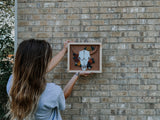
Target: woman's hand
x=66, y=45
x=85, y=73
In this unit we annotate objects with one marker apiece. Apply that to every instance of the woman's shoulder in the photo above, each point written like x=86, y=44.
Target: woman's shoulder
x=52, y=90
x=53, y=86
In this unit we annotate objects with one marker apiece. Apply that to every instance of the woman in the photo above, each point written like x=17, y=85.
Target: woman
x=30, y=96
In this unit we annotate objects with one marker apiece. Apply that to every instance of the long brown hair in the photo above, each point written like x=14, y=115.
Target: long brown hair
x=31, y=61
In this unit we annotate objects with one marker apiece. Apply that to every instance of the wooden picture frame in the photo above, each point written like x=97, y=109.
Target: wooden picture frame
x=95, y=61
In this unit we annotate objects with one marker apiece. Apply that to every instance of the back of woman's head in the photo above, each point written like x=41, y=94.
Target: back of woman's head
x=31, y=61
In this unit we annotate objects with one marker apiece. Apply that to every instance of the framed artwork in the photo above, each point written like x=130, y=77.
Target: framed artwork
x=85, y=57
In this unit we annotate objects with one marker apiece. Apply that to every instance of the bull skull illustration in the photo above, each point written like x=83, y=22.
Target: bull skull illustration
x=84, y=56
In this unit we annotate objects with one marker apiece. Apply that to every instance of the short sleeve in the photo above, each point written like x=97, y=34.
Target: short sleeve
x=8, y=87
x=51, y=98
x=61, y=101
x=51, y=101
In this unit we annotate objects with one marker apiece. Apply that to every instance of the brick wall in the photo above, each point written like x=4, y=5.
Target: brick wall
x=129, y=87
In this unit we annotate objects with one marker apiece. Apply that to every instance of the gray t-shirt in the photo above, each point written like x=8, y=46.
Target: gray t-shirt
x=51, y=101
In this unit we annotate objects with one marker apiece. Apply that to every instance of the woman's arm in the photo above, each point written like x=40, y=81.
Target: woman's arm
x=68, y=88
x=56, y=59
